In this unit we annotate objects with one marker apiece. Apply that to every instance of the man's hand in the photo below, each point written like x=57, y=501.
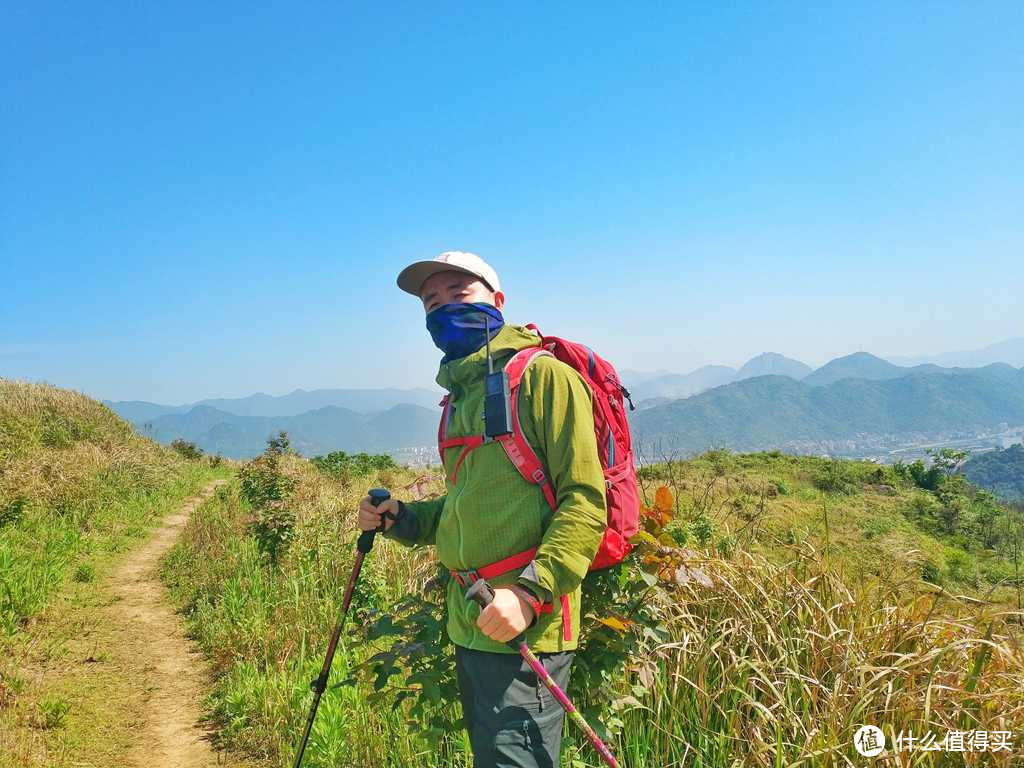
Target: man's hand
x=370, y=516
x=506, y=617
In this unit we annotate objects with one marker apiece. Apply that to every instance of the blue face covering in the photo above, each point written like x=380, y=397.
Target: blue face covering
x=458, y=329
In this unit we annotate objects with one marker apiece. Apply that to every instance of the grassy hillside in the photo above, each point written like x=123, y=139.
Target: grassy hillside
x=775, y=603
x=76, y=482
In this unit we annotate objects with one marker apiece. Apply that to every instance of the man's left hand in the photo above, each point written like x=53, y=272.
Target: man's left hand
x=506, y=617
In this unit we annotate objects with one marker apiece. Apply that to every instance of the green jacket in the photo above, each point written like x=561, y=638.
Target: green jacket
x=491, y=512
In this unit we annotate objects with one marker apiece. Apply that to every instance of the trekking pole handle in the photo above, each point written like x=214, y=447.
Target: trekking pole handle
x=365, y=543
x=481, y=593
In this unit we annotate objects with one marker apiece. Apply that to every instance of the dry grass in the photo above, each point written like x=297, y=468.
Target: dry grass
x=780, y=664
x=52, y=441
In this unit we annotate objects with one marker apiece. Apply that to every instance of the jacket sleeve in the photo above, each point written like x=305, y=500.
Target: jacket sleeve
x=417, y=522
x=556, y=415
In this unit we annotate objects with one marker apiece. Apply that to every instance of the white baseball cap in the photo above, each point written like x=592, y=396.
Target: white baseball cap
x=411, y=278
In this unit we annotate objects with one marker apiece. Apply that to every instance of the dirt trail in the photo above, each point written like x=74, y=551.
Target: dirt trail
x=173, y=673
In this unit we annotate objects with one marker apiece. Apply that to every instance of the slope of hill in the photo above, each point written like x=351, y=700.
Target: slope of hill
x=1001, y=472
x=292, y=404
x=75, y=480
x=319, y=431
x=778, y=412
x=773, y=364
x=859, y=365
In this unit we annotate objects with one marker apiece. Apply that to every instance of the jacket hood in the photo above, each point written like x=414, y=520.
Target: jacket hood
x=457, y=375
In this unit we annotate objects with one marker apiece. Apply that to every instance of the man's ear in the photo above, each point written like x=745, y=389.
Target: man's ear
x=499, y=299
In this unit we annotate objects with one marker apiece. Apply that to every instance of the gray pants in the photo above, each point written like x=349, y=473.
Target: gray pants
x=512, y=718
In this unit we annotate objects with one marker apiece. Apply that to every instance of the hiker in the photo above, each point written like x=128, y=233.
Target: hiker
x=533, y=543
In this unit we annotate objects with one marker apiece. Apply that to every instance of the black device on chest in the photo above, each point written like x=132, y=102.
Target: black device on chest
x=497, y=409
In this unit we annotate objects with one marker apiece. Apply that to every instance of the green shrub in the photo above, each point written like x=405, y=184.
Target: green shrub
x=874, y=527
x=702, y=529
x=267, y=488
x=11, y=511
x=931, y=572
x=835, y=476
x=958, y=566
x=188, y=450
x=52, y=712
x=262, y=481
x=85, y=573
x=343, y=466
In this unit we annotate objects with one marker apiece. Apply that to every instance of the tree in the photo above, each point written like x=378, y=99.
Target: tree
x=947, y=460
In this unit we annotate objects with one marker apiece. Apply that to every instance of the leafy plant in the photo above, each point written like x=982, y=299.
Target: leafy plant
x=835, y=477
x=187, y=449
x=266, y=487
x=52, y=712
x=343, y=466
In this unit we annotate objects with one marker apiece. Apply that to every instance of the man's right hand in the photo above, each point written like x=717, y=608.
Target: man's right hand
x=370, y=516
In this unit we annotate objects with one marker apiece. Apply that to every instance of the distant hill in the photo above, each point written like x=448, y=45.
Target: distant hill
x=300, y=401
x=1001, y=472
x=859, y=365
x=314, y=432
x=676, y=385
x=653, y=387
x=778, y=412
x=862, y=365
x=773, y=364
x=138, y=411
x=1010, y=352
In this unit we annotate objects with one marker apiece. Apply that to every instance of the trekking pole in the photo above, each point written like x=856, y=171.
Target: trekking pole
x=319, y=685
x=482, y=593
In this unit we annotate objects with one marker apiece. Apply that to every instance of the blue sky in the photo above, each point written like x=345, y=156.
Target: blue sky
x=205, y=200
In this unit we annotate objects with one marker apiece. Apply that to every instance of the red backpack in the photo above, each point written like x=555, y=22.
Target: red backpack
x=611, y=429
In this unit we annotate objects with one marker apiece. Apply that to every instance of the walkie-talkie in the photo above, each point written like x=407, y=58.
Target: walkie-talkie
x=497, y=411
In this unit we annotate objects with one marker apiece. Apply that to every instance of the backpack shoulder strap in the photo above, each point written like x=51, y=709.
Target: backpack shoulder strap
x=518, y=449
x=442, y=428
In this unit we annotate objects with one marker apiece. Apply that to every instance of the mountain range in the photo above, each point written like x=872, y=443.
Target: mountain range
x=1010, y=351
x=846, y=415
x=664, y=384
x=292, y=404
x=312, y=433
x=851, y=405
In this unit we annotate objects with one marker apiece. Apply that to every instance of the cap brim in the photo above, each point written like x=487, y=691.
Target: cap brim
x=412, y=278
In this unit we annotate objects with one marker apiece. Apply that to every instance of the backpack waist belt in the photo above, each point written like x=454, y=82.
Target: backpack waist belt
x=513, y=563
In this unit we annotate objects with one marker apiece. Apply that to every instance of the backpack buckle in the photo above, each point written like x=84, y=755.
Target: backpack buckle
x=539, y=477
x=465, y=578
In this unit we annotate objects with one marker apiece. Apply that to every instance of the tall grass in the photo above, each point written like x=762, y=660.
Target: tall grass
x=76, y=482
x=266, y=626
x=777, y=663
x=780, y=664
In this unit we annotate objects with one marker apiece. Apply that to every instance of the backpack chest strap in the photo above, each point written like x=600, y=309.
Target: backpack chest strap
x=468, y=443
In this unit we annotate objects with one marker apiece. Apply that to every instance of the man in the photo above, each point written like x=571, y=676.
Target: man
x=491, y=514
